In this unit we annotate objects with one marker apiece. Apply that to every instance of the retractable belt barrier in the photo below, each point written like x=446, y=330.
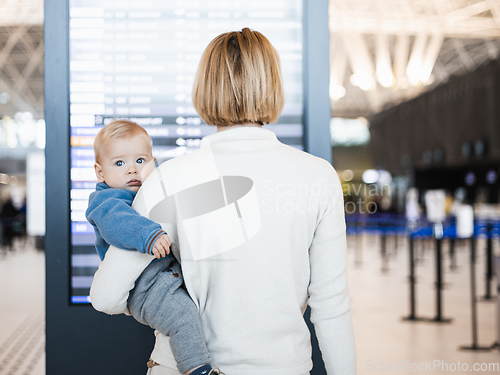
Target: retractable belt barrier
x=386, y=225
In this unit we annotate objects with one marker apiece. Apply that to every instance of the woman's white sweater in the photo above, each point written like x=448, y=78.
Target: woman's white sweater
x=252, y=274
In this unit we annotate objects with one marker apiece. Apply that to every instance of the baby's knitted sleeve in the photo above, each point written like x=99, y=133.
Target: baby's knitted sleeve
x=119, y=224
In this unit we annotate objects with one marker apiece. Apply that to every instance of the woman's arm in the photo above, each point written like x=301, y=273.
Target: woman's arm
x=328, y=292
x=115, y=278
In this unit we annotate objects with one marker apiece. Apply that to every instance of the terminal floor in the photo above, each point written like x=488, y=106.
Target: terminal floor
x=22, y=315
x=379, y=301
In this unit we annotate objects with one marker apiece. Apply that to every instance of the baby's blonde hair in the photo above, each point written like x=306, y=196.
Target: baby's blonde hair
x=239, y=80
x=115, y=130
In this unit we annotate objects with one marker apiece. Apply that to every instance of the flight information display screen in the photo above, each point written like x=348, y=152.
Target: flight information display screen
x=137, y=60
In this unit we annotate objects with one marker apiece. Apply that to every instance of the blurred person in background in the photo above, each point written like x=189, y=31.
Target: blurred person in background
x=8, y=216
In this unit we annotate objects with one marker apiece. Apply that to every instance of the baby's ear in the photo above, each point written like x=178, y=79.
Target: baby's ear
x=98, y=172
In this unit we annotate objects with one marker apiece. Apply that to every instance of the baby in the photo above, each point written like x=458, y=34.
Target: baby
x=123, y=160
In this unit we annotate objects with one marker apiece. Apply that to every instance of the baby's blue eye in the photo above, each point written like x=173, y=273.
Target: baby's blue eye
x=140, y=161
x=120, y=163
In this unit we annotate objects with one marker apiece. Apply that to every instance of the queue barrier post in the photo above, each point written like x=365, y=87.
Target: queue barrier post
x=474, y=346
x=438, y=236
x=358, y=232
x=383, y=251
x=490, y=273
x=453, y=258
x=496, y=344
x=412, y=280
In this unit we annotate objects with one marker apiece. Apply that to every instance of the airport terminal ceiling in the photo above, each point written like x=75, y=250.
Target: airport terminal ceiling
x=387, y=51
x=397, y=50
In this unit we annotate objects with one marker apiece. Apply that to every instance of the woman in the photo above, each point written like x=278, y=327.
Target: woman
x=273, y=240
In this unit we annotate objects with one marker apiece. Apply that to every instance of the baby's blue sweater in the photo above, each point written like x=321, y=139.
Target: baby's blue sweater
x=116, y=223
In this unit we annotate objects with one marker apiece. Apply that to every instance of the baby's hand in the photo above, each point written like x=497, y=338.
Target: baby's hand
x=161, y=247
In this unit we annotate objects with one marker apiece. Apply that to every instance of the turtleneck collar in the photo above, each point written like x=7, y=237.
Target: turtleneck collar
x=239, y=134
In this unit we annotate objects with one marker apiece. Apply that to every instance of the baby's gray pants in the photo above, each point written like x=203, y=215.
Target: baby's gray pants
x=160, y=301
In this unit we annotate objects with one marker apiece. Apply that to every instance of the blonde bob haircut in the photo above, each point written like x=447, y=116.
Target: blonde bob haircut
x=115, y=130
x=239, y=80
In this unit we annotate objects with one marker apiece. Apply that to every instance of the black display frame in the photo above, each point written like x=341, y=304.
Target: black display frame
x=80, y=340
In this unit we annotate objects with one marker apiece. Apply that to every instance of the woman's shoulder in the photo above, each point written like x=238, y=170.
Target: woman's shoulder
x=309, y=161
